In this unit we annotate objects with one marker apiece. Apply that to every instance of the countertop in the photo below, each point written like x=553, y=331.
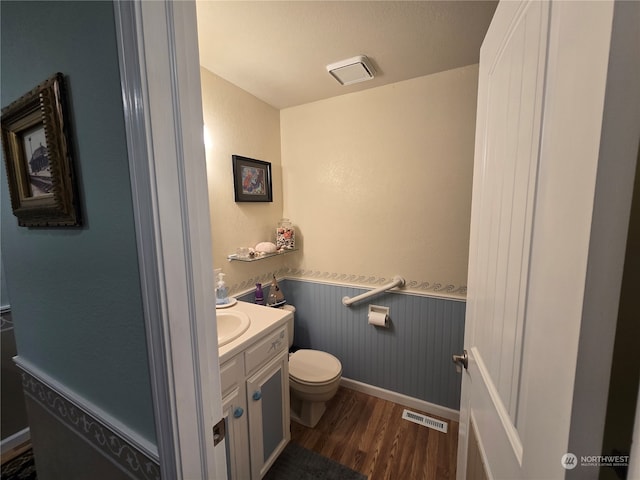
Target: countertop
x=263, y=320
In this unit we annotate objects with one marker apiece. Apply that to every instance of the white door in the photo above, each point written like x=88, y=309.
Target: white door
x=512, y=67
x=542, y=78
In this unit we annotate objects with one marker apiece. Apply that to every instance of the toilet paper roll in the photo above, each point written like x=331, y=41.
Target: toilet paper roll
x=379, y=319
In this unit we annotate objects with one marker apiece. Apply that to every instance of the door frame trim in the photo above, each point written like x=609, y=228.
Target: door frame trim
x=160, y=81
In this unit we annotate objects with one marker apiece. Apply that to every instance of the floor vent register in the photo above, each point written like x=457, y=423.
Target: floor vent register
x=425, y=421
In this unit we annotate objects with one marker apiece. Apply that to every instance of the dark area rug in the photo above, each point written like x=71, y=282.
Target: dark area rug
x=298, y=463
x=20, y=468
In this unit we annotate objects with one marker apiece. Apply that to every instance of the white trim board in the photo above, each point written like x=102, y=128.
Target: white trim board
x=160, y=78
x=12, y=441
x=131, y=55
x=401, y=399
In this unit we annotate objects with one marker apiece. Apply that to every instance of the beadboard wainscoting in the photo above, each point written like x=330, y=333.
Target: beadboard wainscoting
x=412, y=357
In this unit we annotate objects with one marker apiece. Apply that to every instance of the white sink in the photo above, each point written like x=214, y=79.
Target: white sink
x=231, y=324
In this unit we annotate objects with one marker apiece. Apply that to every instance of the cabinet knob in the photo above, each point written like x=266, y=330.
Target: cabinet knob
x=237, y=413
x=257, y=395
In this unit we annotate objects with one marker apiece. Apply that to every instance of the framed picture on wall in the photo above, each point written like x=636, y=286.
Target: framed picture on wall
x=251, y=180
x=35, y=138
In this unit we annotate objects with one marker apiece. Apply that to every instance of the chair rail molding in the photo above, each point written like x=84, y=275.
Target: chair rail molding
x=122, y=446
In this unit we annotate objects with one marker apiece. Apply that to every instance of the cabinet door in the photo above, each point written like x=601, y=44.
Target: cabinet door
x=234, y=410
x=268, y=404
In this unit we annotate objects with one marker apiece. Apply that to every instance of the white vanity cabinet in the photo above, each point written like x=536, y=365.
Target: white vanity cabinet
x=268, y=405
x=255, y=386
x=234, y=411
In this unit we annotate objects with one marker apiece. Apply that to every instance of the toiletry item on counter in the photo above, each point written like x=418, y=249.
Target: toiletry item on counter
x=276, y=297
x=222, y=293
x=285, y=235
x=259, y=294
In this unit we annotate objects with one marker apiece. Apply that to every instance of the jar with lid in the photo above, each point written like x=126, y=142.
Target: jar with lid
x=285, y=235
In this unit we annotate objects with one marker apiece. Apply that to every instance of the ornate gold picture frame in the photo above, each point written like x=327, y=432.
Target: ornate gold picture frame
x=35, y=138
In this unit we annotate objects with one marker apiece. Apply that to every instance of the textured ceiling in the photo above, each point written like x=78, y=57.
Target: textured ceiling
x=278, y=50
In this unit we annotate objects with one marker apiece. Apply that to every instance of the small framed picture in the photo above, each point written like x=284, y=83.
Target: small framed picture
x=251, y=180
x=37, y=157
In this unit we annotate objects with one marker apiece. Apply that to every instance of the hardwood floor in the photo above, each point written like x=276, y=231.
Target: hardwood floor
x=369, y=435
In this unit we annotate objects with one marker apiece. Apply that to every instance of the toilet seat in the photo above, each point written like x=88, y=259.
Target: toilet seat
x=312, y=367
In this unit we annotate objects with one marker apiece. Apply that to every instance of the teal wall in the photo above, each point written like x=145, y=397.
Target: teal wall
x=75, y=292
x=4, y=289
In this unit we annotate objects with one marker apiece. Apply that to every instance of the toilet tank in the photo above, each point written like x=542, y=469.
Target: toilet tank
x=292, y=309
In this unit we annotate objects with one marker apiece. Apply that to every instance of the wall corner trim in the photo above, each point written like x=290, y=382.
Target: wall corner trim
x=122, y=446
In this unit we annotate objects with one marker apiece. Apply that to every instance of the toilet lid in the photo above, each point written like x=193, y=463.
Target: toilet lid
x=313, y=366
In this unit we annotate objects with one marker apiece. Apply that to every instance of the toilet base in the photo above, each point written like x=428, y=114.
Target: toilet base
x=305, y=412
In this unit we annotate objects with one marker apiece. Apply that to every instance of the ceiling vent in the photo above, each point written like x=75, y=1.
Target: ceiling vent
x=353, y=70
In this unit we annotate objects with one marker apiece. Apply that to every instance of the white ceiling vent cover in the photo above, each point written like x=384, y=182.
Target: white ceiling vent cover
x=353, y=70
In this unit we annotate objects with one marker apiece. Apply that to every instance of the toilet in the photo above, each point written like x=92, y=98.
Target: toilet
x=314, y=377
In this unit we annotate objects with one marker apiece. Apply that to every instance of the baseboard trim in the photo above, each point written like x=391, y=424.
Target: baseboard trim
x=12, y=441
x=401, y=399
x=124, y=447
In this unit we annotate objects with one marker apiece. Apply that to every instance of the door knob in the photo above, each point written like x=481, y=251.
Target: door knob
x=257, y=395
x=461, y=361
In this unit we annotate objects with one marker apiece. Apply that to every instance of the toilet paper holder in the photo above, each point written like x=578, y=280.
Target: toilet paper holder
x=378, y=316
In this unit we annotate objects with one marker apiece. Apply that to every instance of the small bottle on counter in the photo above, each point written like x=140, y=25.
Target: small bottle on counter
x=259, y=294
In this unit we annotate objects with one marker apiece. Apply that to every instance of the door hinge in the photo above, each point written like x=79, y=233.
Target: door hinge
x=219, y=432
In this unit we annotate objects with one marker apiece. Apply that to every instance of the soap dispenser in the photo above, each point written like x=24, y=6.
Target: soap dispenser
x=222, y=293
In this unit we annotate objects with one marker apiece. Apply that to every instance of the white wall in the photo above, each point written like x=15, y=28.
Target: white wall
x=379, y=182
x=237, y=123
